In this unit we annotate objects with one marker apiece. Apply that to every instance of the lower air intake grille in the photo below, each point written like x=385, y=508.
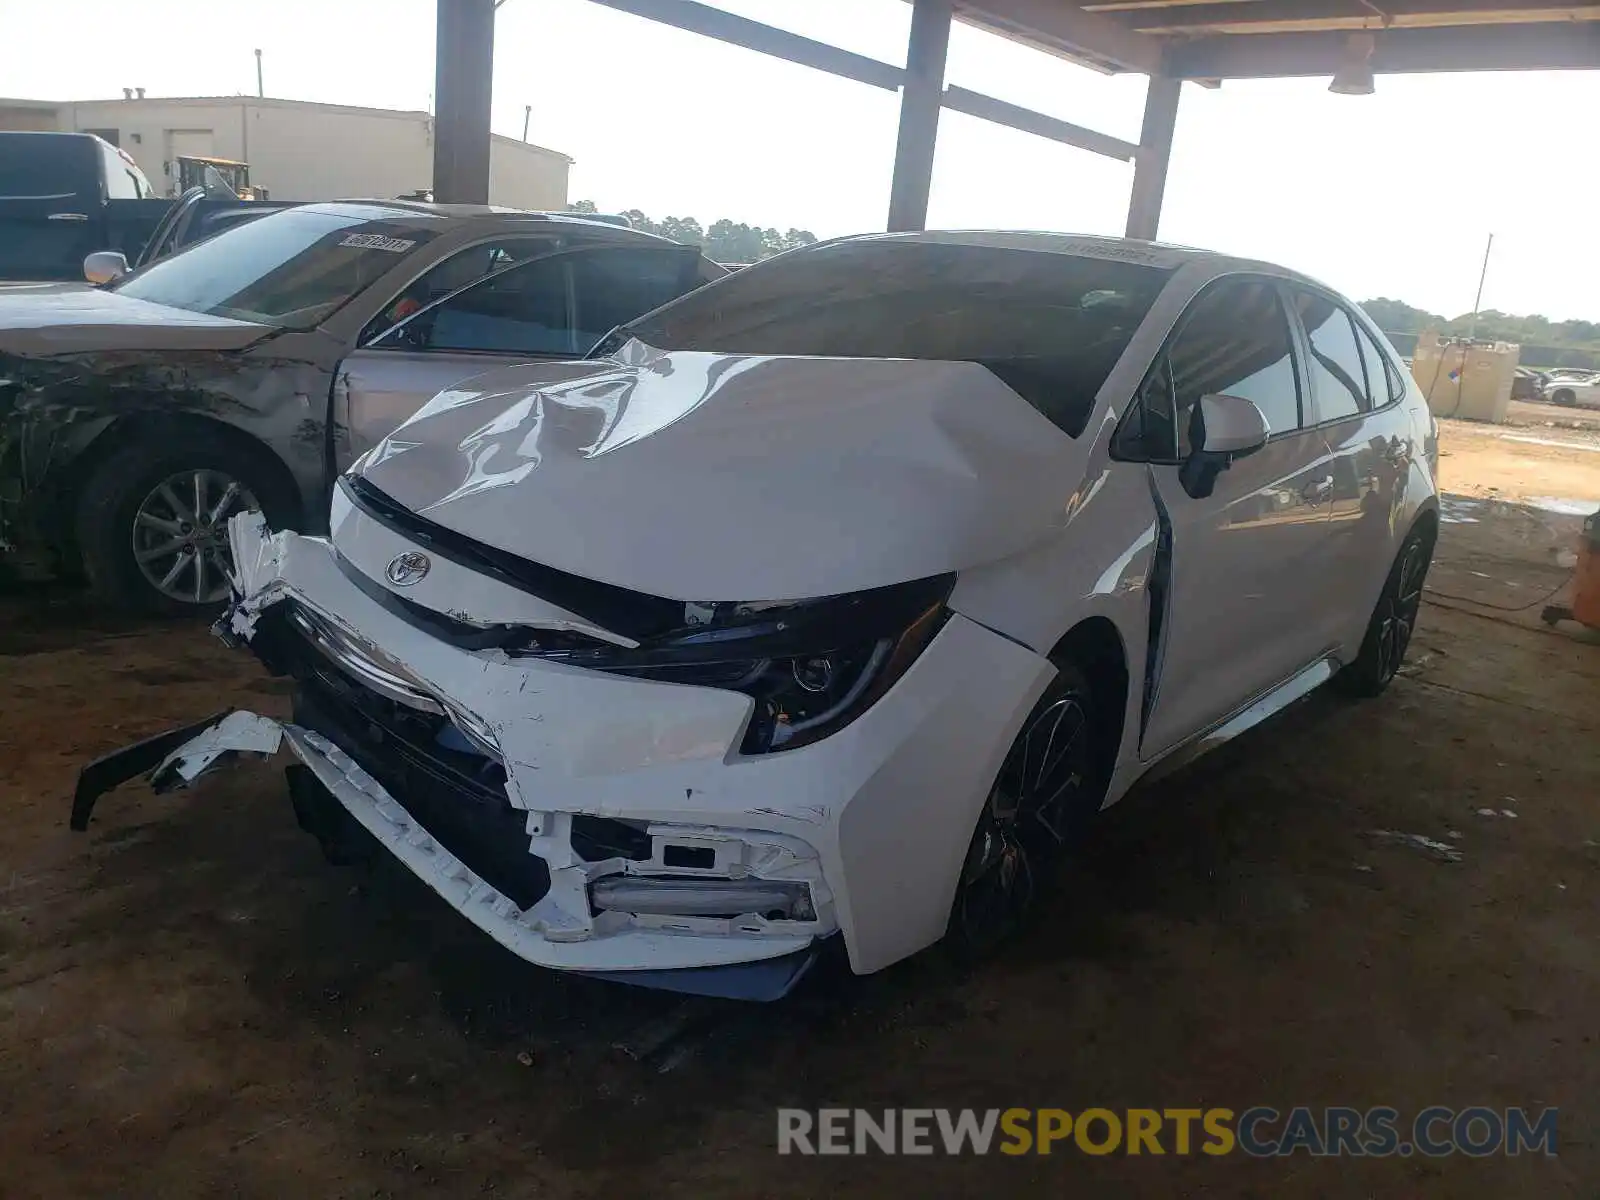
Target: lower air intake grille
x=457, y=795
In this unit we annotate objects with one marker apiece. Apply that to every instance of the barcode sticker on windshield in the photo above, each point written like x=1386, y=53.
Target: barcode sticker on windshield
x=376, y=241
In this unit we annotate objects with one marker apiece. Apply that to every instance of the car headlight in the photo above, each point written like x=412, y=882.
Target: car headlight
x=811, y=666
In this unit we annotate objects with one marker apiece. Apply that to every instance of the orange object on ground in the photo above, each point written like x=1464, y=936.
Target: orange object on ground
x=1586, y=578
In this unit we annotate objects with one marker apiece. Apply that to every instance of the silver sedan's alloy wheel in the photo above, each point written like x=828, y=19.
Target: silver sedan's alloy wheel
x=180, y=534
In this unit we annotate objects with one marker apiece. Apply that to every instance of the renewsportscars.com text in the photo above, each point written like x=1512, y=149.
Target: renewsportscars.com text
x=1261, y=1132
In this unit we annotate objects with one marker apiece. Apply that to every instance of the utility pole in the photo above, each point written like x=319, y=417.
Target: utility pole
x=527, y=115
x=1477, y=303
x=260, y=88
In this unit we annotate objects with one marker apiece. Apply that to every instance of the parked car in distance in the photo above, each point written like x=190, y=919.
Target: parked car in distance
x=1571, y=388
x=254, y=366
x=832, y=599
x=1526, y=384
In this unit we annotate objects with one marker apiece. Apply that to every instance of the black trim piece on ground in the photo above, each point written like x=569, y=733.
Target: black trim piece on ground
x=762, y=981
x=106, y=772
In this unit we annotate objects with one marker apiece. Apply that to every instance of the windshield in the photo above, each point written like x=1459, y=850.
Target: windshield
x=1050, y=324
x=289, y=269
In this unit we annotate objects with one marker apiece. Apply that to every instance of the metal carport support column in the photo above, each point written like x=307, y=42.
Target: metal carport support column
x=1155, y=151
x=920, y=98
x=463, y=75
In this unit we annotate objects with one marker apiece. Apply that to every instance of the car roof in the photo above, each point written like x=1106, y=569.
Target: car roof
x=50, y=133
x=1163, y=255
x=423, y=214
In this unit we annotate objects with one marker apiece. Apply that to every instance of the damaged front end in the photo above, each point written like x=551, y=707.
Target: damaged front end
x=416, y=762
x=691, y=795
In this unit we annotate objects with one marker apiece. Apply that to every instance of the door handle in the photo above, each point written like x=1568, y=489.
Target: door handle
x=1315, y=493
x=67, y=217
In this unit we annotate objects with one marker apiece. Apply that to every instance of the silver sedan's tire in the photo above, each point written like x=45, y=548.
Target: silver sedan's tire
x=1049, y=785
x=152, y=518
x=1394, y=620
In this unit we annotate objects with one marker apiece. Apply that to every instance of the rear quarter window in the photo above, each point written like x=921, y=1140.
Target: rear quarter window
x=1384, y=379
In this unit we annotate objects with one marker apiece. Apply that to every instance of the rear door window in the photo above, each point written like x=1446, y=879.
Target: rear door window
x=1338, y=375
x=526, y=310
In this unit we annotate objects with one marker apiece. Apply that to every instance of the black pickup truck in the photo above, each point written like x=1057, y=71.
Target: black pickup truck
x=65, y=196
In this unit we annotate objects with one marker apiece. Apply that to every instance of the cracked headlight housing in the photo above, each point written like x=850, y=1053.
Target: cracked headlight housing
x=811, y=666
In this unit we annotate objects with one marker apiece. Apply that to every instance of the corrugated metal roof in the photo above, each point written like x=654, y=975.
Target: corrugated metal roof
x=1200, y=39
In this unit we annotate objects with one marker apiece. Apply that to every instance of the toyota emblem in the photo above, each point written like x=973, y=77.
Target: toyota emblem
x=408, y=568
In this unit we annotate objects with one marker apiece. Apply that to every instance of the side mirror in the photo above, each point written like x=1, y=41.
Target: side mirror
x=1227, y=427
x=103, y=266
x=1233, y=425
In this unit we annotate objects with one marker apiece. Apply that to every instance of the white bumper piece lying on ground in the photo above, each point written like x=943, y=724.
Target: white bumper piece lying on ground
x=871, y=823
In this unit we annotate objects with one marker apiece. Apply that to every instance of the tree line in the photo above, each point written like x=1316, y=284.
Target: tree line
x=1396, y=316
x=722, y=241
x=728, y=241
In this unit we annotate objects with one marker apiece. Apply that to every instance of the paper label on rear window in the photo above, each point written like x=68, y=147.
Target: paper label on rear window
x=376, y=241
x=1149, y=256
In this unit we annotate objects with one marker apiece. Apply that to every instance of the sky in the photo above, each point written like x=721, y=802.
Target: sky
x=1392, y=194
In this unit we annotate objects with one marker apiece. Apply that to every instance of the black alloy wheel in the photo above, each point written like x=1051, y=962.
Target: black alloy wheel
x=1383, y=650
x=1047, y=787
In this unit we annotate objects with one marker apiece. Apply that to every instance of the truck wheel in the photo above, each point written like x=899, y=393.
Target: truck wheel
x=152, y=519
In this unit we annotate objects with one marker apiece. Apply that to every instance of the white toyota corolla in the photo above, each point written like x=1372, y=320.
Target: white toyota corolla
x=833, y=598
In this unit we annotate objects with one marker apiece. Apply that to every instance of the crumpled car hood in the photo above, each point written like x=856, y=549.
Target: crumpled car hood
x=50, y=319
x=699, y=476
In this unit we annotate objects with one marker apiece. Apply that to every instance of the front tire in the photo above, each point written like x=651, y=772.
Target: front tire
x=1049, y=786
x=152, y=519
x=1565, y=397
x=1394, y=620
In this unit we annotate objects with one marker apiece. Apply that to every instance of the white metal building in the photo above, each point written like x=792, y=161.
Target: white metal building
x=297, y=150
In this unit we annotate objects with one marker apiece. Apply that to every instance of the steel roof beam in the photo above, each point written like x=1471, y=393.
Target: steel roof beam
x=987, y=108
x=764, y=39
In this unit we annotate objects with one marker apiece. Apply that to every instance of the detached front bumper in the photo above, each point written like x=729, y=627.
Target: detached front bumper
x=567, y=812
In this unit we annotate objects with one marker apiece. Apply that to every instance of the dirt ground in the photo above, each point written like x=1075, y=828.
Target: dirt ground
x=1544, y=453
x=192, y=1003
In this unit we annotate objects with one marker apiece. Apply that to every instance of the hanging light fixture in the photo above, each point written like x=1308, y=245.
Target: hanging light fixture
x=1354, y=76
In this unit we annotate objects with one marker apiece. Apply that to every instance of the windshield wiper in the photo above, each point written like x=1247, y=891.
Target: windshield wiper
x=612, y=342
